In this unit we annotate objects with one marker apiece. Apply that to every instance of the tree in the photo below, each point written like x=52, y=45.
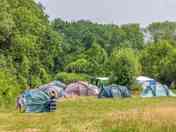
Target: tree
x=162, y=31
x=125, y=66
x=158, y=61
x=134, y=36
x=79, y=66
x=97, y=54
x=6, y=24
x=71, y=77
x=28, y=44
x=118, y=36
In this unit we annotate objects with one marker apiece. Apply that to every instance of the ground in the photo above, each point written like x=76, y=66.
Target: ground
x=89, y=114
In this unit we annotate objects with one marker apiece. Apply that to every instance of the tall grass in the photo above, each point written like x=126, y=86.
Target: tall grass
x=97, y=115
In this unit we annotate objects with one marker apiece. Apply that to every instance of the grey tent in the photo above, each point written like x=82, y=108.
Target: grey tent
x=152, y=88
x=114, y=91
x=55, y=86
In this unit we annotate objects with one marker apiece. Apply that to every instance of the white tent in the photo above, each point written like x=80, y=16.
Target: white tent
x=143, y=79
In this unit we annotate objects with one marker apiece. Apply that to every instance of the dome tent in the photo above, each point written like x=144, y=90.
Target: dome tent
x=81, y=88
x=56, y=86
x=152, y=88
x=143, y=79
x=34, y=100
x=37, y=100
x=114, y=91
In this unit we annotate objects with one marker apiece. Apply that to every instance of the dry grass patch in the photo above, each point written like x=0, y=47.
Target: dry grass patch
x=149, y=119
x=159, y=113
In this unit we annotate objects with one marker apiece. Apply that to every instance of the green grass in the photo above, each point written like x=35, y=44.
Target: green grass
x=90, y=114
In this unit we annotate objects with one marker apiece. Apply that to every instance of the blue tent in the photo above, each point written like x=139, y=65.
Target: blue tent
x=152, y=88
x=35, y=100
x=156, y=90
x=114, y=91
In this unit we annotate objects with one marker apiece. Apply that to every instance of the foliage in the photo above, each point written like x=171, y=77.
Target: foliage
x=134, y=37
x=28, y=44
x=158, y=61
x=136, y=87
x=125, y=66
x=8, y=87
x=79, y=66
x=162, y=31
x=71, y=77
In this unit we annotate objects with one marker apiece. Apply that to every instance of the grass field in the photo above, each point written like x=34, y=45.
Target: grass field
x=97, y=115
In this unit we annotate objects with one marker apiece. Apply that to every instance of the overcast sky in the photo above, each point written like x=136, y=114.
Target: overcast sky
x=112, y=11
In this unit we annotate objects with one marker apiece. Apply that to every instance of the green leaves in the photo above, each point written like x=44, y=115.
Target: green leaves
x=158, y=61
x=71, y=77
x=8, y=87
x=6, y=22
x=125, y=66
x=28, y=44
x=79, y=66
x=162, y=31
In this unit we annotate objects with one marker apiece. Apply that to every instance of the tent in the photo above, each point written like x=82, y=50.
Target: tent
x=114, y=91
x=56, y=86
x=81, y=88
x=100, y=81
x=153, y=88
x=143, y=79
x=35, y=100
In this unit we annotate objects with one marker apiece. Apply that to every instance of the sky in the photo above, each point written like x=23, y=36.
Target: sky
x=112, y=11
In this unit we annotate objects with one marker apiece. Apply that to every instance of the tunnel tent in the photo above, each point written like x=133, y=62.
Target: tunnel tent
x=114, y=91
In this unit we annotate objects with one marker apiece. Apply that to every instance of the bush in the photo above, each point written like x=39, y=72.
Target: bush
x=80, y=66
x=9, y=88
x=71, y=77
x=135, y=86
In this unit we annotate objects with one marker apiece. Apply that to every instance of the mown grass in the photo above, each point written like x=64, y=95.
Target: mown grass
x=90, y=114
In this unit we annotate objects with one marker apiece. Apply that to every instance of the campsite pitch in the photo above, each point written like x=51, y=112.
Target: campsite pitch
x=89, y=114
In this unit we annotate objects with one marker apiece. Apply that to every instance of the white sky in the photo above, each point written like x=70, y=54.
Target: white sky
x=112, y=11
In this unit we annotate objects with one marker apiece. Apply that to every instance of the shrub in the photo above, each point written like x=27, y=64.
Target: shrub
x=9, y=88
x=80, y=66
x=135, y=86
x=71, y=77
